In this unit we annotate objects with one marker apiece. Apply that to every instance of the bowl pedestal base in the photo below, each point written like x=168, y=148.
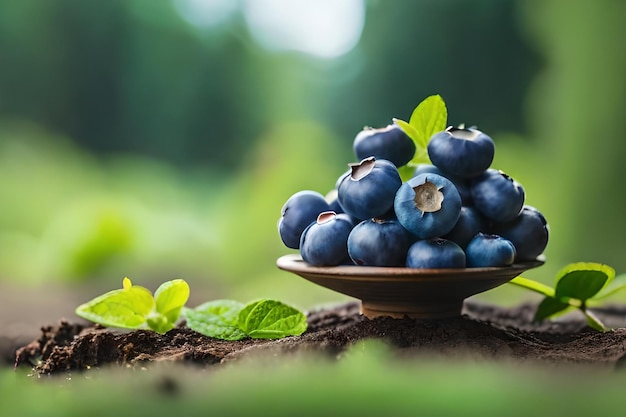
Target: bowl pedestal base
x=439, y=310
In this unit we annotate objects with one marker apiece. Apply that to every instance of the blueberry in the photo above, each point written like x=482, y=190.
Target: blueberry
x=342, y=176
x=497, y=196
x=325, y=241
x=370, y=188
x=427, y=169
x=528, y=232
x=390, y=143
x=300, y=210
x=435, y=253
x=379, y=242
x=461, y=184
x=461, y=152
x=486, y=250
x=470, y=223
x=428, y=205
x=333, y=202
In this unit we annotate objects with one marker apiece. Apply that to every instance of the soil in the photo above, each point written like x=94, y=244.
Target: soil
x=483, y=332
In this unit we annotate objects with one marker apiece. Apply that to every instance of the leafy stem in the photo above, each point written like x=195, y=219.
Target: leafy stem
x=577, y=286
x=532, y=285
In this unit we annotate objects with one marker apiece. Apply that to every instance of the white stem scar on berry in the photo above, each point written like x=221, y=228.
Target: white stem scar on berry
x=362, y=169
x=462, y=133
x=326, y=216
x=428, y=197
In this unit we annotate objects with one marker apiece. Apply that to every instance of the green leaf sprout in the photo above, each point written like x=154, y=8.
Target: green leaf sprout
x=134, y=307
x=428, y=118
x=577, y=286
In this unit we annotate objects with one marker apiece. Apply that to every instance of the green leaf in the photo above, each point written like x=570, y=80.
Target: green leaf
x=218, y=319
x=228, y=310
x=582, y=280
x=549, y=307
x=428, y=118
x=270, y=319
x=406, y=171
x=408, y=129
x=616, y=285
x=159, y=323
x=127, y=308
x=170, y=298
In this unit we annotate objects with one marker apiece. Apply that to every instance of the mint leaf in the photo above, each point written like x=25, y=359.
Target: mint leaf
x=218, y=319
x=549, y=307
x=127, y=308
x=270, y=319
x=409, y=130
x=170, y=298
x=227, y=310
x=582, y=280
x=428, y=118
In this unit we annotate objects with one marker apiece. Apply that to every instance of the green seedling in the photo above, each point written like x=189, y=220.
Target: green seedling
x=428, y=118
x=134, y=307
x=577, y=286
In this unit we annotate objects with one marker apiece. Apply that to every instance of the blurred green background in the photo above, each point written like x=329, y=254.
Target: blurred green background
x=159, y=139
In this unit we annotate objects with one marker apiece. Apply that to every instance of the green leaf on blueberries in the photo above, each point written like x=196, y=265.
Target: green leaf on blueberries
x=217, y=319
x=409, y=130
x=127, y=308
x=170, y=298
x=582, y=280
x=428, y=118
x=270, y=319
x=407, y=171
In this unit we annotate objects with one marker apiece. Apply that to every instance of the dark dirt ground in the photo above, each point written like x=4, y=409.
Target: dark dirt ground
x=483, y=332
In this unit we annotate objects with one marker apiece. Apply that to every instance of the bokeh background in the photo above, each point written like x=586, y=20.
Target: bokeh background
x=159, y=139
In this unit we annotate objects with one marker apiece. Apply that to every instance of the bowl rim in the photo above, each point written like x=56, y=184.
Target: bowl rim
x=295, y=264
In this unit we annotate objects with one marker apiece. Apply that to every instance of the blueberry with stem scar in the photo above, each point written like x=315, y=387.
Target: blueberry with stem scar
x=428, y=205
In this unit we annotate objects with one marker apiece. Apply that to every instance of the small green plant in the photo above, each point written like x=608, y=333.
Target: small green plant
x=134, y=307
x=577, y=286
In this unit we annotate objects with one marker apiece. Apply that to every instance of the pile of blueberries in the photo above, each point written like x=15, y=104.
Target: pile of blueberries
x=457, y=212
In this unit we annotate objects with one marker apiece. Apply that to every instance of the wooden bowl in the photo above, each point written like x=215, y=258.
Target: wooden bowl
x=399, y=292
